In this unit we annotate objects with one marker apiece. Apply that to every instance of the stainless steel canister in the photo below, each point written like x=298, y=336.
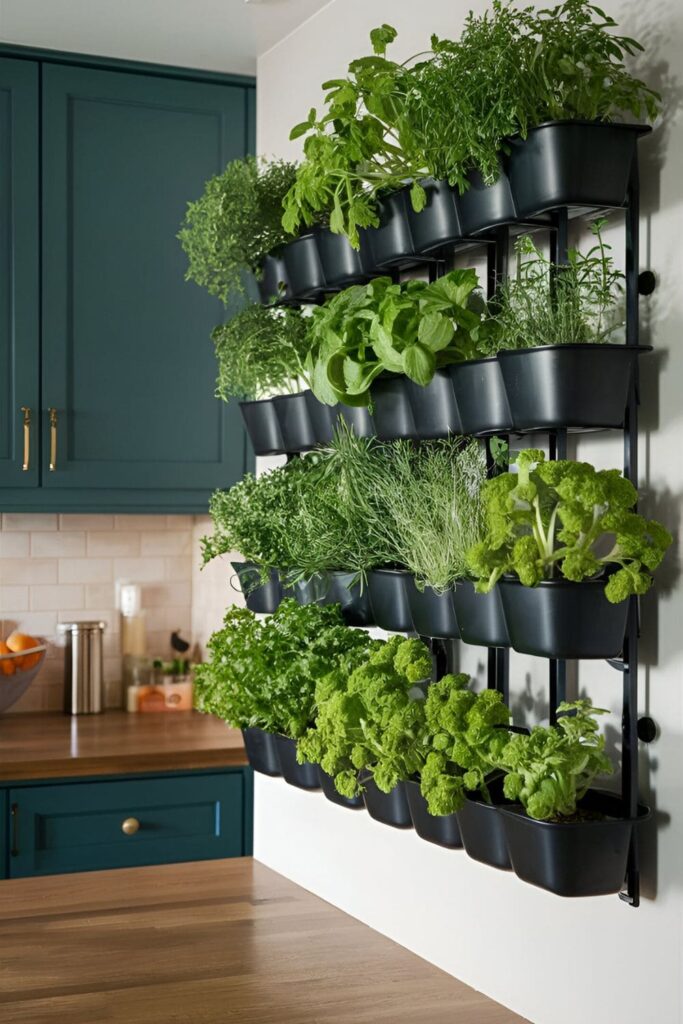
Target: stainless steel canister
x=83, y=667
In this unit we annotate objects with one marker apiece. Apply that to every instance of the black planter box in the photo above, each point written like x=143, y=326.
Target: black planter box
x=354, y=803
x=480, y=616
x=389, y=599
x=438, y=224
x=482, y=828
x=342, y=265
x=562, y=619
x=296, y=426
x=572, y=163
x=325, y=419
x=273, y=285
x=574, y=386
x=389, y=808
x=303, y=776
x=304, y=270
x=484, y=207
x=391, y=244
x=440, y=829
x=358, y=418
x=354, y=599
x=576, y=858
x=263, y=427
x=392, y=411
x=259, y=597
x=261, y=750
x=434, y=408
x=480, y=395
x=433, y=614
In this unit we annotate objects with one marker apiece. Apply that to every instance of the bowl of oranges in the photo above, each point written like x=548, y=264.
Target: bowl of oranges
x=21, y=658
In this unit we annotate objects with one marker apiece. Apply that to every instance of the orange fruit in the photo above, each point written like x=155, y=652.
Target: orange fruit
x=23, y=642
x=6, y=664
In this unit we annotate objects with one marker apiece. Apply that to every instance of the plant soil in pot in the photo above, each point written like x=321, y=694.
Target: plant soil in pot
x=304, y=270
x=482, y=828
x=342, y=265
x=273, y=285
x=480, y=396
x=434, y=408
x=440, y=829
x=573, y=858
x=261, y=750
x=389, y=599
x=563, y=619
x=391, y=244
x=259, y=597
x=263, y=427
x=572, y=163
x=438, y=224
x=483, y=207
x=433, y=614
x=389, y=808
x=296, y=426
x=330, y=790
x=303, y=776
x=480, y=616
x=392, y=411
x=574, y=386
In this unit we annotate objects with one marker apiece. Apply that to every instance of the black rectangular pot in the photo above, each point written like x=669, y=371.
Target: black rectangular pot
x=433, y=614
x=483, y=207
x=391, y=244
x=435, y=411
x=438, y=224
x=572, y=163
x=574, y=858
x=325, y=419
x=303, y=776
x=562, y=619
x=342, y=265
x=263, y=427
x=389, y=808
x=480, y=395
x=304, y=270
x=261, y=750
x=482, y=828
x=389, y=599
x=391, y=409
x=273, y=284
x=354, y=803
x=440, y=829
x=573, y=386
x=358, y=418
x=296, y=426
x=263, y=598
x=480, y=616
x=346, y=590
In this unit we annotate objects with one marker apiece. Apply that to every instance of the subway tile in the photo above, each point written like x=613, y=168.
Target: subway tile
x=88, y=523
x=179, y=522
x=14, y=598
x=114, y=543
x=166, y=594
x=169, y=619
x=108, y=616
x=29, y=521
x=29, y=570
x=168, y=542
x=14, y=544
x=178, y=570
x=57, y=596
x=112, y=670
x=100, y=595
x=139, y=570
x=32, y=700
x=85, y=570
x=53, y=697
x=58, y=545
x=140, y=522
x=38, y=624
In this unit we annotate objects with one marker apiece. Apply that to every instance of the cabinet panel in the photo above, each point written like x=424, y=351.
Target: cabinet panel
x=19, y=271
x=128, y=364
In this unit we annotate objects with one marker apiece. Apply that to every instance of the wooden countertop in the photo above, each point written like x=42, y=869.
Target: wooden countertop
x=217, y=942
x=56, y=746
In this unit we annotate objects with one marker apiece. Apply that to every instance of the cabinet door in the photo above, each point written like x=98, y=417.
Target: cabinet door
x=128, y=364
x=19, y=273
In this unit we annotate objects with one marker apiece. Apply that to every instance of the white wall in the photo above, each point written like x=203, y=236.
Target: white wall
x=554, y=961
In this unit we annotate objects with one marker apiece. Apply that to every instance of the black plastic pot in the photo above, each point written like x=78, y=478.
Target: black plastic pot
x=391, y=244
x=325, y=419
x=303, y=267
x=358, y=418
x=483, y=207
x=303, y=776
x=574, y=386
x=392, y=411
x=482, y=828
x=330, y=790
x=261, y=750
x=342, y=265
x=480, y=395
x=433, y=614
x=263, y=427
x=389, y=599
x=354, y=600
x=438, y=224
x=574, y=858
x=480, y=616
x=440, y=829
x=435, y=411
x=572, y=163
x=389, y=808
x=259, y=597
x=273, y=285
x=296, y=426
x=562, y=619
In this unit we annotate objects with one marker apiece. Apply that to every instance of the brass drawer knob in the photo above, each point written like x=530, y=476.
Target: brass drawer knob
x=130, y=826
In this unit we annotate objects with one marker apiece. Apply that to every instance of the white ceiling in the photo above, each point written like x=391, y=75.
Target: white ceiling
x=216, y=35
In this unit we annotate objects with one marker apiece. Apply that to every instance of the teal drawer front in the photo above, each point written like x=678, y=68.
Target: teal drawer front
x=79, y=826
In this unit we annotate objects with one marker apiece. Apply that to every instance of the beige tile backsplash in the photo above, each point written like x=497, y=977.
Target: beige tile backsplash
x=54, y=568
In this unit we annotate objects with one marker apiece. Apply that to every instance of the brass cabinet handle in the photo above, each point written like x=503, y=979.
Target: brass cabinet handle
x=27, y=438
x=130, y=826
x=53, y=439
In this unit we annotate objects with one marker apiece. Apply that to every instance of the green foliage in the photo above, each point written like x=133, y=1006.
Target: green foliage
x=261, y=352
x=264, y=672
x=235, y=224
x=549, y=770
x=556, y=516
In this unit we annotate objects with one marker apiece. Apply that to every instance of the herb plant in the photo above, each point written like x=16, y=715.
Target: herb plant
x=558, y=517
